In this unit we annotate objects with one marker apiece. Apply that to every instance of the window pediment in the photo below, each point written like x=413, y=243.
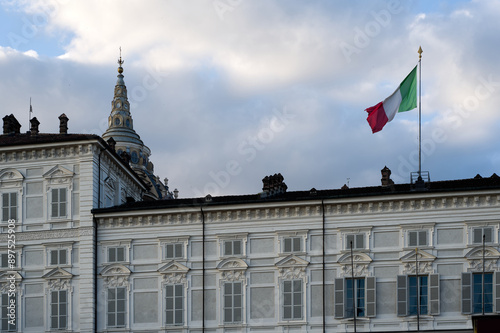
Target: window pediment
x=173, y=267
x=58, y=175
x=115, y=270
x=292, y=267
x=475, y=258
x=423, y=256
x=356, y=265
x=57, y=273
x=11, y=178
x=5, y=277
x=424, y=259
x=232, y=264
x=174, y=272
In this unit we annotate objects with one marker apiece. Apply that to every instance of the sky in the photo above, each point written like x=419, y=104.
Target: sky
x=226, y=92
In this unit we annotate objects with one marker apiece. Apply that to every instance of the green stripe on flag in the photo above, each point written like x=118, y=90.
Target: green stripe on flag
x=408, y=89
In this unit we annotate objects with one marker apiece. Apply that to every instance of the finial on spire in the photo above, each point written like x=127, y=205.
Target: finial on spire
x=420, y=52
x=120, y=62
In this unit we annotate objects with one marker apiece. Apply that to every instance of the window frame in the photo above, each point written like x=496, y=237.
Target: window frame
x=293, y=240
x=232, y=243
x=116, y=313
x=115, y=249
x=58, y=257
x=59, y=203
x=175, y=309
x=483, y=228
x=340, y=297
x=403, y=297
x=293, y=283
x=5, y=320
x=10, y=208
x=232, y=295
x=58, y=304
x=222, y=240
x=418, y=238
x=355, y=245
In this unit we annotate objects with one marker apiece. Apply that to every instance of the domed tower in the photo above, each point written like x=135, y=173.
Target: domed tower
x=121, y=129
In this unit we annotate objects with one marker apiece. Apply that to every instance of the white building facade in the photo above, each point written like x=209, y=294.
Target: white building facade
x=263, y=264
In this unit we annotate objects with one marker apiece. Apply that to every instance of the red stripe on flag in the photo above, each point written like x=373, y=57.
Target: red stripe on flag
x=377, y=118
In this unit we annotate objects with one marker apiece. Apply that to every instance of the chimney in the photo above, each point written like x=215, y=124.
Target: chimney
x=34, y=126
x=11, y=125
x=63, y=124
x=112, y=143
x=125, y=157
x=386, y=177
x=273, y=185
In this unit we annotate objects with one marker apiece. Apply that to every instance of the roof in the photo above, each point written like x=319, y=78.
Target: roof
x=477, y=183
x=7, y=140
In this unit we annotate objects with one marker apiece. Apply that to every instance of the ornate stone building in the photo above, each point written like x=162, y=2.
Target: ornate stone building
x=94, y=253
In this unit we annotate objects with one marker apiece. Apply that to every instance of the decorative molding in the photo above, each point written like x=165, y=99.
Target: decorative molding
x=51, y=234
x=116, y=275
x=360, y=263
x=174, y=272
x=475, y=259
x=232, y=269
x=10, y=178
x=58, y=279
x=292, y=267
x=425, y=260
x=5, y=281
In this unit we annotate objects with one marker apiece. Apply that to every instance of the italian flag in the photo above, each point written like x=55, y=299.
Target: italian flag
x=403, y=99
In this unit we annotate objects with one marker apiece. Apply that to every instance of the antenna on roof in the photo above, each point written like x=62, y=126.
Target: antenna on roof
x=29, y=114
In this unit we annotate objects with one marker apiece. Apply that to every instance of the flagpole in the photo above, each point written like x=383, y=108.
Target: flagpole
x=419, y=113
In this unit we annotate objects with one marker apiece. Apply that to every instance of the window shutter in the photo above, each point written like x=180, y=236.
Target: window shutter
x=412, y=238
x=370, y=297
x=487, y=233
x=497, y=291
x=349, y=239
x=120, y=254
x=360, y=241
x=466, y=293
x=434, y=294
x=422, y=238
x=339, y=298
x=288, y=245
x=402, y=297
x=62, y=257
x=477, y=235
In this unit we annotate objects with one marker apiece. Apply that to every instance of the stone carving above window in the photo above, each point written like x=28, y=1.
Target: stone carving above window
x=424, y=260
x=232, y=269
x=58, y=279
x=59, y=175
x=10, y=178
x=360, y=262
x=116, y=275
x=475, y=259
x=174, y=272
x=6, y=280
x=292, y=267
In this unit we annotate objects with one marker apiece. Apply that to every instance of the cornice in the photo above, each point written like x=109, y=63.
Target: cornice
x=50, y=234
x=47, y=152
x=302, y=210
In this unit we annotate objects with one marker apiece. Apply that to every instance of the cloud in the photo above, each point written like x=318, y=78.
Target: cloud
x=207, y=88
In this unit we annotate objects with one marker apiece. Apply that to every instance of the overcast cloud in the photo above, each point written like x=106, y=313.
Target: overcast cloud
x=225, y=92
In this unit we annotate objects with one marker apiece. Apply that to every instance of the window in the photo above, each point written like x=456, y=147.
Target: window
x=6, y=262
x=175, y=304
x=417, y=295
x=292, y=299
x=116, y=307
x=361, y=289
x=174, y=250
x=292, y=244
x=58, y=309
x=116, y=254
x=58, y=257
x=233, y=302
x=58, y=202
x=358, y=241
x=8, y=324
x=232, y=248
x=417, y=238
x=359, y=294
x=9, y=206
x=478, y=233
x=410, y=294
